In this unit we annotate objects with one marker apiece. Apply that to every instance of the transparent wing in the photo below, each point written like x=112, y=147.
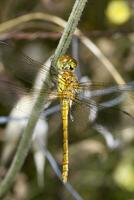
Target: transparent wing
x=11, y=92
x=109, y=111
x=101, y=88
x=20, y=65
x=107, y=92
x=23, y=68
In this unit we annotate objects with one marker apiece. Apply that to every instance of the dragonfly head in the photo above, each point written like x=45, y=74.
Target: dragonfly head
x=66, y=62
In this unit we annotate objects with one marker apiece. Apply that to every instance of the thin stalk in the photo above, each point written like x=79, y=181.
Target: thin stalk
x=25, y=142
x=26, y=139
x=69, y=29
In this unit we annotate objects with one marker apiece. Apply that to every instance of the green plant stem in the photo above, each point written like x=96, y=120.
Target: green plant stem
x=24, y=143
x=40, y=101
x=69, y=29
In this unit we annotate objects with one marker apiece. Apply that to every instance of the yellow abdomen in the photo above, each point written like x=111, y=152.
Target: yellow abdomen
x=66, y=83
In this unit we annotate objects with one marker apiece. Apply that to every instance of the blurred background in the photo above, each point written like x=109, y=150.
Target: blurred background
x=101, y=158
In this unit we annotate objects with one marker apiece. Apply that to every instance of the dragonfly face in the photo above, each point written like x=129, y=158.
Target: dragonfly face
x=66, y=62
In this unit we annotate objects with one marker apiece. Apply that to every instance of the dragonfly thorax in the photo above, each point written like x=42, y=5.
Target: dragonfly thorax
x=67, y=84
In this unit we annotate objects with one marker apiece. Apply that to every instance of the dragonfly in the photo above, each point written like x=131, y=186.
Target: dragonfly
x=69, y=91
